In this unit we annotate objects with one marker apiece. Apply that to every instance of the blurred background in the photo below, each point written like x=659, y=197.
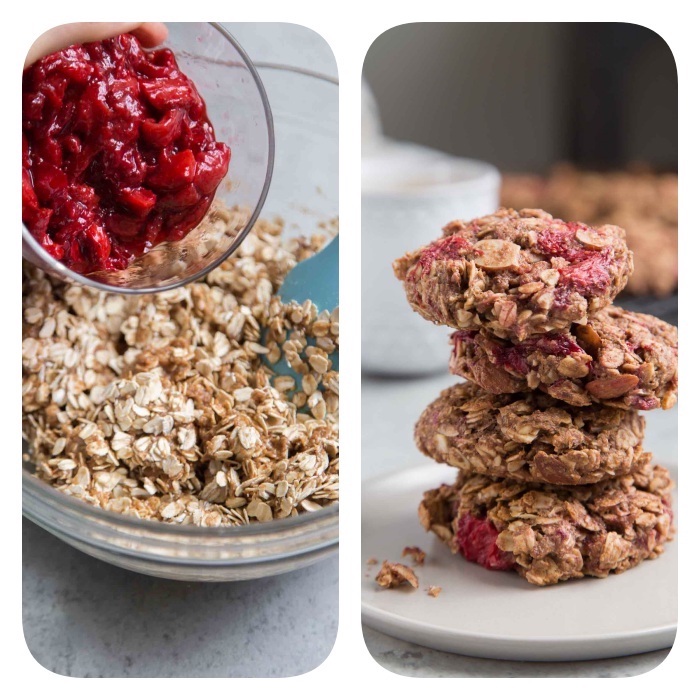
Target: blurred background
x=525, y=95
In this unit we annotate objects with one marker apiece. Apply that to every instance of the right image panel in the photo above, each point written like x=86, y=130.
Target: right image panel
x=519, y=349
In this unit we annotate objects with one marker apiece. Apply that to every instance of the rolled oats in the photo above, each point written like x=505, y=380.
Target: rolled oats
x=162, y=406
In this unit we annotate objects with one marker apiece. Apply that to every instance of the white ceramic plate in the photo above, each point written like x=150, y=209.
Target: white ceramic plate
x=497, y=614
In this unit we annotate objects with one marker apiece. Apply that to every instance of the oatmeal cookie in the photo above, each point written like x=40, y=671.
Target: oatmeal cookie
x=529, y=437
x=523, y=190
x=655, y=246
x=516, y=274
x=619, y=358
x=550, y=534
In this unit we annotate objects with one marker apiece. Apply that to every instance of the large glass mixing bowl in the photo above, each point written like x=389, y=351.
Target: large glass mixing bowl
x=303, y=192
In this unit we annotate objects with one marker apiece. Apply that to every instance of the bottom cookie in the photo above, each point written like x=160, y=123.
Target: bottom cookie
x=551, y=533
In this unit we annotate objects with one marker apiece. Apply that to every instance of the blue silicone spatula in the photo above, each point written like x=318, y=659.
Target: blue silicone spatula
x=315, y=278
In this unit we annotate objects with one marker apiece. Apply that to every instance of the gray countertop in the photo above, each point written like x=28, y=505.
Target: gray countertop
x=85, y=618
x=390, y=408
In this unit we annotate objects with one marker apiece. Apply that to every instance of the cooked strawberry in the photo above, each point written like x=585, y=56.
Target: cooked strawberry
x=138, y=200
x=99, y=122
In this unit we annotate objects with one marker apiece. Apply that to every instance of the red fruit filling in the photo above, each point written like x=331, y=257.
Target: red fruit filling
x=560, y=243
x=477, y=542
x=118, y=154
x=590, y=276
x=562, y=298
x=512, y=357
x=587, y=274
x=555, y=344
x=450, y=248
x=644, y=403
x=464, y=336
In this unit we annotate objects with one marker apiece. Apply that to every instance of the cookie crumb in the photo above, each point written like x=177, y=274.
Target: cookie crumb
x=416, y=553
x=393, y=575
x=434, y=591
x=372, y=561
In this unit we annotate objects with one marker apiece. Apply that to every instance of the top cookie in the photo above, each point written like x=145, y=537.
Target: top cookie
x=516, y=274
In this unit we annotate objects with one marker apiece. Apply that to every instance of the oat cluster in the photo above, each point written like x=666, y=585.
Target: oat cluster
x=163, y=407
x=393, y=575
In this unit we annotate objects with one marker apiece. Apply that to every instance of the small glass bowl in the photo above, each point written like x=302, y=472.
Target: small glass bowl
x=240, y=112
x=304, y=193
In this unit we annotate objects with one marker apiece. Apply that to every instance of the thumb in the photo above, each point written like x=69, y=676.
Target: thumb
x=149, y=33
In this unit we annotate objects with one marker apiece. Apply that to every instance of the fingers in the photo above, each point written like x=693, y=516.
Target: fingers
x=149, y=33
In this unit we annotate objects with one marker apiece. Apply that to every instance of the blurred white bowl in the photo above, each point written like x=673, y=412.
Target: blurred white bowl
x=409, y=193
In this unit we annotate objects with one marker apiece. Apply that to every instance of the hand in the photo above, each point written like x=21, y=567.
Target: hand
x=148, y=33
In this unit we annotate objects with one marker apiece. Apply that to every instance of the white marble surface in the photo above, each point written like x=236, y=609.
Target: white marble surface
x=390, y=408
x=84, y=618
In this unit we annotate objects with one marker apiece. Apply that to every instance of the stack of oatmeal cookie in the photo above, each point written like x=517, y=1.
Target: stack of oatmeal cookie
x=547, y=431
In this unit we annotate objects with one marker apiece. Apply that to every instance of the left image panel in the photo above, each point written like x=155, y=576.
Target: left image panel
x=180, y=352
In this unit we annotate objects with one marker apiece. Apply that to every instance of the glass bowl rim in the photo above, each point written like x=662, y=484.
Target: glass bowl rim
x=35, y=486
x=75, y=277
